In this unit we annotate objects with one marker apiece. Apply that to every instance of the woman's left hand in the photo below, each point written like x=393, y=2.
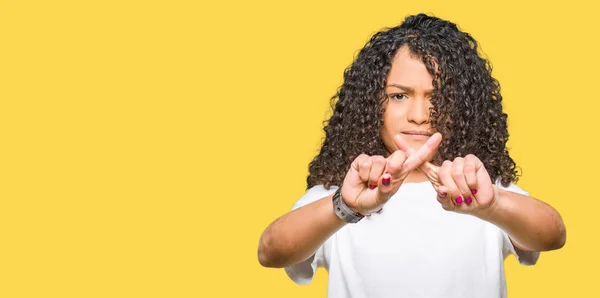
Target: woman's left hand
x=463, y=185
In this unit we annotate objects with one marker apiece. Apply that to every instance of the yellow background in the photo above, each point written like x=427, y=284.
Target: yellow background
x=145, y=145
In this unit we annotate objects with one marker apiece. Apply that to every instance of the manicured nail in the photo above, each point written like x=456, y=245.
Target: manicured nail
x=372, y=186
x=468, y=200
x=473, y=191
x=385, y=181
x=442, y=195
x=459, y=200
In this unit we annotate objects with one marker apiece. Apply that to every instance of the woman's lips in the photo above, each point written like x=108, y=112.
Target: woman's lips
x=417, y=134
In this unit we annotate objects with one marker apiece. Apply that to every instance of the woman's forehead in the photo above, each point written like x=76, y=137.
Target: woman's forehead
x=409, y=70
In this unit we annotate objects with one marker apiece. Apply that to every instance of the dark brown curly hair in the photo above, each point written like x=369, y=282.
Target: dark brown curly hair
x=467, y=104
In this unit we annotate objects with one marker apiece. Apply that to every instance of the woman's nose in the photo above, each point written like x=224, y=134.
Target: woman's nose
x=418, y=111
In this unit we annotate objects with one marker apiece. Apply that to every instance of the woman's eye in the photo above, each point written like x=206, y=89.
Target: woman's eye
x=397, y=96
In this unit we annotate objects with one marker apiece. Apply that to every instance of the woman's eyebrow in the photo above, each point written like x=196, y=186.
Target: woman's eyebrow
x=408, y=89
x=405, y=88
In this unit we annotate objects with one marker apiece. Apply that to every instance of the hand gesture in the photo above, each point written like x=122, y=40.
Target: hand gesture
x=463, y=185
x=372, y=180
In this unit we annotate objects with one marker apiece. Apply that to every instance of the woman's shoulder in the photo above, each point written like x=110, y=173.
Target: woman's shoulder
x=313, y=194
x=511, y=187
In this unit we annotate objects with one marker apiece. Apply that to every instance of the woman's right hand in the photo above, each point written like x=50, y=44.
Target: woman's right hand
x=372, y=180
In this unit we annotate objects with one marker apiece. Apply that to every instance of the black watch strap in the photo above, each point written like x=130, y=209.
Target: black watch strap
x=344, y=211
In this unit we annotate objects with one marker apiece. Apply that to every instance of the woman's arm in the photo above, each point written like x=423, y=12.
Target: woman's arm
x=464, y=186
x=369, y=183
x=531, y=224
x=297, y=235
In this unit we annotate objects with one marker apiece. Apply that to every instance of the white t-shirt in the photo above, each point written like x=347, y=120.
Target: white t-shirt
x=413, y=248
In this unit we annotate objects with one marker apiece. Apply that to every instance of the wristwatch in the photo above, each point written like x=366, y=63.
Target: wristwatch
x=344, y=211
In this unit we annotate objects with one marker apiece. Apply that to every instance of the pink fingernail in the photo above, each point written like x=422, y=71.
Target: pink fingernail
x=372, y=186
x=459, y=200
x=442, y=195
x=468, y=200
x=473, y=191
x=385, y=181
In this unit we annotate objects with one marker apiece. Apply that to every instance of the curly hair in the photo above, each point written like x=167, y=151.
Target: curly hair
x=466, y=100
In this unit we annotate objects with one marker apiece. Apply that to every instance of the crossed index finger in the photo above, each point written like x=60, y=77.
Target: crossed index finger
x=420, y=158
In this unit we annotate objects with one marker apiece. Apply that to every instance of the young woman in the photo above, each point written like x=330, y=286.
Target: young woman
x=412, y=193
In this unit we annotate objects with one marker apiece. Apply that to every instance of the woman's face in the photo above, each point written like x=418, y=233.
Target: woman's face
x=408, y=88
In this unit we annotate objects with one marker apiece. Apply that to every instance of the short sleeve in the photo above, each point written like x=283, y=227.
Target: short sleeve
x=303, y=272
x=527, y=258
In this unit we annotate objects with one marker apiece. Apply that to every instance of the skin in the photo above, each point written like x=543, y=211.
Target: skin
x=408, y=89
x=463, y=184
